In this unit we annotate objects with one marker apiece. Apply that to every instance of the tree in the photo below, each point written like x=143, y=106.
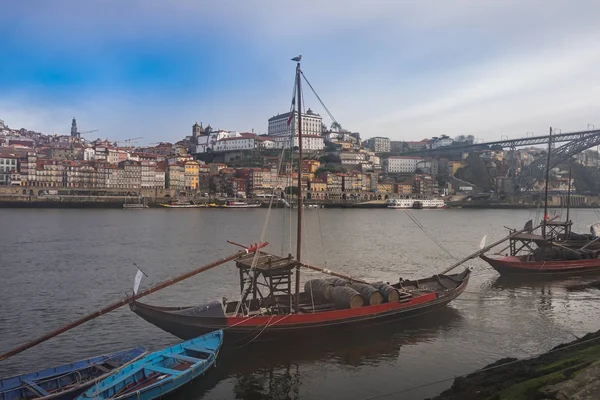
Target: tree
x=291, y=190
x=460, y=138
x=323, y=128
x=335, y=126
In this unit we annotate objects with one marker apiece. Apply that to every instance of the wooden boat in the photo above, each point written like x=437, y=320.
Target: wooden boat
x=161, y=372
x=274, y=317
x=524, y=265
x=554, y=252
x=66, y=381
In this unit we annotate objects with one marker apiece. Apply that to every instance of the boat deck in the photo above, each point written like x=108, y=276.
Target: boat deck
x=267, y=263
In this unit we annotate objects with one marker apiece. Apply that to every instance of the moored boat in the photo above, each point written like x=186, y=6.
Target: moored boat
x=66, y=381
x=407, y=203
x=240, y=204
x=177, y=204
x=161, y=372
x=556, y=251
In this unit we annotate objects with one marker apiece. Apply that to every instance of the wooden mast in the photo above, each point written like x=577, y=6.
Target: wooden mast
x=299, y=232
x=546, y=187
x=568, y=228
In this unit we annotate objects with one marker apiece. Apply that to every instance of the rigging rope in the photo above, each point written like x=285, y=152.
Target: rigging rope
x=428, y=234
x=320, y=101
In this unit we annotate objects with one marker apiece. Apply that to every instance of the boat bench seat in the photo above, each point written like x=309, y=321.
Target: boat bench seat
x=33, y=386
x=199, y=349
x=162, y=370
x=182, y=357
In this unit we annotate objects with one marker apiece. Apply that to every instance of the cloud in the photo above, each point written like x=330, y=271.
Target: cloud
x=402, y=69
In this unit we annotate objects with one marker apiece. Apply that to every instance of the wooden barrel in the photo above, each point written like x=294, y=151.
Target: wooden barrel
x=346, y=297
x=319, y=288
x=337, y=281
x=370, y=294
x=390, y=293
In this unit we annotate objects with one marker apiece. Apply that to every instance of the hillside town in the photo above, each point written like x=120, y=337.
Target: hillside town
x=338, y=165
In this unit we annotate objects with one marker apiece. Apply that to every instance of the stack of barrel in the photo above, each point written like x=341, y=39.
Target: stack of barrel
x=344, y=294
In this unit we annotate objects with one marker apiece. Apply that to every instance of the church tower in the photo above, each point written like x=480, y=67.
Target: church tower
x=74, y=131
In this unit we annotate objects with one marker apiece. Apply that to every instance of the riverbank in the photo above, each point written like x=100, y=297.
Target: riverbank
x=568, y=371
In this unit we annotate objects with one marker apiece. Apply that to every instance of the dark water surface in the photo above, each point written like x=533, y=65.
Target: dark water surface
x=57, y=265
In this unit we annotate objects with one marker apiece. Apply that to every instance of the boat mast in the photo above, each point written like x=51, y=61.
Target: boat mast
x=299, y=232
x=569, y=194
x=547, y=179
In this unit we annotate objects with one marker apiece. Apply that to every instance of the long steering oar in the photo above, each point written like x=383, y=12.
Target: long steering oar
x=484, y=248
x=251, y=249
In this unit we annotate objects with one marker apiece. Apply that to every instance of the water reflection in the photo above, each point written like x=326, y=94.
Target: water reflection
x=272, y=371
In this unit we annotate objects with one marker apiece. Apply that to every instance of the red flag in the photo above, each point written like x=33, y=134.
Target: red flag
x=289, y=121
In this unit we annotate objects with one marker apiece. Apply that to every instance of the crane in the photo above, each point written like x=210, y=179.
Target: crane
x=128, y=141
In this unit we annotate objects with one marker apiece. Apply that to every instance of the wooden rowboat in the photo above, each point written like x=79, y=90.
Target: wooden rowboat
x=160, y=372
x=67, y=381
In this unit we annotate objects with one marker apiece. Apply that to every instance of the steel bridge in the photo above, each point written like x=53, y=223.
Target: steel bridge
x=508, y=143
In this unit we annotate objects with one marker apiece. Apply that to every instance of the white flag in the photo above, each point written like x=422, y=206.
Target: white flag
x=482, y=243
x=137, y=280
x=595, y=229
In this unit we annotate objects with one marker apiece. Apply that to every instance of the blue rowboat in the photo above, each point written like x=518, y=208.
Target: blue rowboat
x=67, y=381
x=160, y=372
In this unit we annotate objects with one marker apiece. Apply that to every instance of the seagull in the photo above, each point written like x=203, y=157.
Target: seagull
x=297, y=59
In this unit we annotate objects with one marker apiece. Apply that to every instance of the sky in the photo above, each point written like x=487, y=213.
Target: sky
x=396, y=68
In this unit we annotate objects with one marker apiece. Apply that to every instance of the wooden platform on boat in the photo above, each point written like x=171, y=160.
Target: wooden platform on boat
x=529, y=237
x=267, y=263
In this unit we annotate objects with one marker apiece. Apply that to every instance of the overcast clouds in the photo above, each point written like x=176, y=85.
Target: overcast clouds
x=405, y=70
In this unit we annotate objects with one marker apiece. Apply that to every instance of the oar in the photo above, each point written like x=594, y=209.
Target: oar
x=486, y=248
x=127, y=300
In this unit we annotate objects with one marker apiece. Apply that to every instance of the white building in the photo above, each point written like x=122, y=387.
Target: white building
x=89, y=154
x=8, y=165
x=246, y=141
x=347, y=158
x=309, y=142
x=311, y=124
x=379, y=144
x=401, y=164
x=442, y=141
x=206, y=142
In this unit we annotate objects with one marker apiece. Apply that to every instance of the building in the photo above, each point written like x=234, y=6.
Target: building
x=401, y=164
x=425, y=185
x=379, y=144
x=284, y=124
x=397, y=146
x=152, y=175
x=175, y=176
x=8, y=165
x=309, y=142
x=79, y=175
x=49, y=173
x=191, y=173
x=129, y=175
x=246, y=141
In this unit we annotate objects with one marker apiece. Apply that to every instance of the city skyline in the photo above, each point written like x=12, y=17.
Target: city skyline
x=401, y=70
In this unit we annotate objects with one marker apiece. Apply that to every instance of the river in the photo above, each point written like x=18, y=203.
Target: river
x=57, y=265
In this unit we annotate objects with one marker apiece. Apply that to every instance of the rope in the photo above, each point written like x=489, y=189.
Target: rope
x=320, y=101
x=481, y=370
x=428, y=234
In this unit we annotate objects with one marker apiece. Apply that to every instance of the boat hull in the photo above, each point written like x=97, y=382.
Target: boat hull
x=514, y=266
x=185, y=322
x=161, y=372
x=44, y=384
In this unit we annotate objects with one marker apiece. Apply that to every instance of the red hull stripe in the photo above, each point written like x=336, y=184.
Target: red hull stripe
x=513, y=262
x=328, y=316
